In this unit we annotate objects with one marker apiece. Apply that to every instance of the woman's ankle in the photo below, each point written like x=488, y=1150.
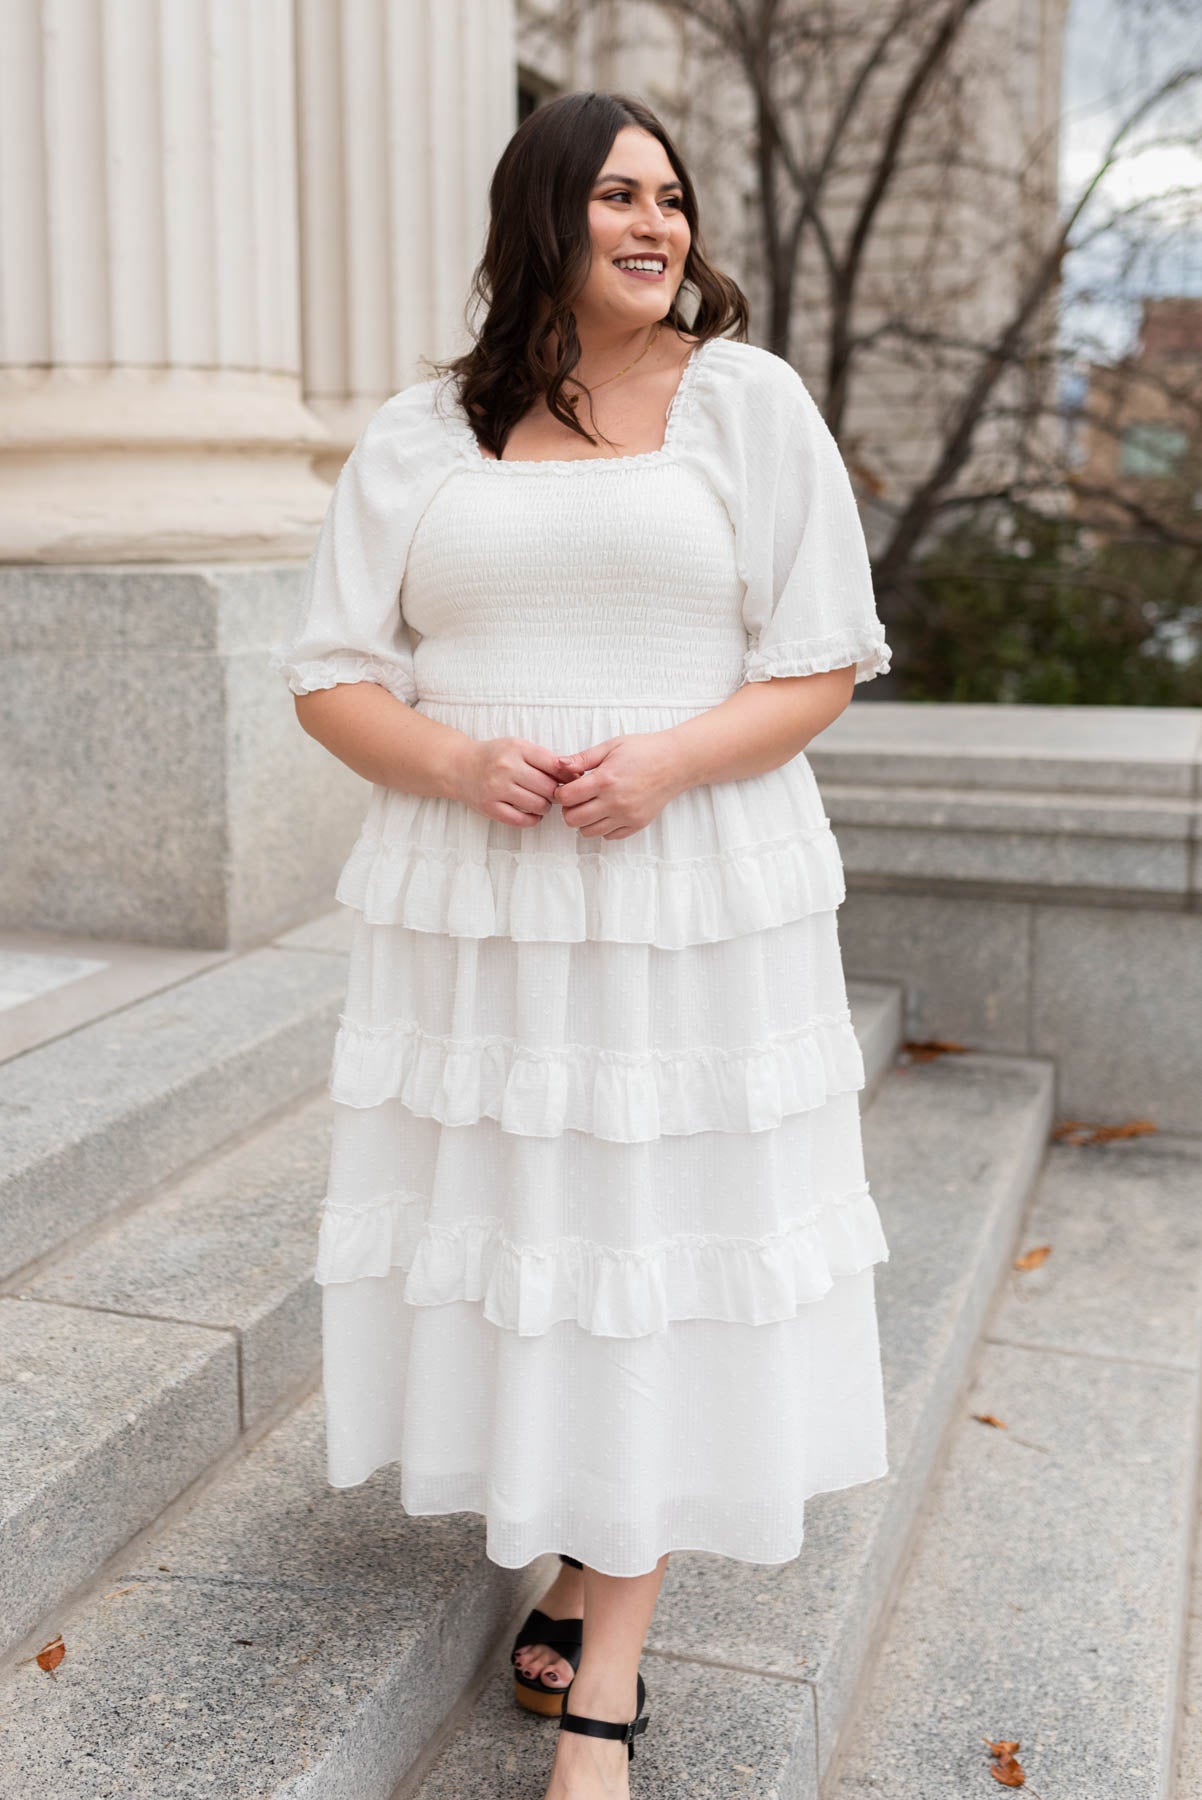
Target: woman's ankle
x=604, y=1693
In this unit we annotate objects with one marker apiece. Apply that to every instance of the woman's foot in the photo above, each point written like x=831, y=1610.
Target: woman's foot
x=564, y=1599
x=591, y=1768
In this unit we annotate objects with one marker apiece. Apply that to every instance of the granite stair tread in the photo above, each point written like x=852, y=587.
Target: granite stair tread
x=100, y=1117
x=1047, y=1598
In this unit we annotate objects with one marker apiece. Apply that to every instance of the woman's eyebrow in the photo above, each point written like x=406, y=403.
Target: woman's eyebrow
x=632, y=181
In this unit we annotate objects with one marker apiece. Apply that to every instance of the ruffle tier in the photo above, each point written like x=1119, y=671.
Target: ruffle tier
x=607, y=1292
x=407, y=1171
x=623, y=1097
x=633, y=899
x=719, y=861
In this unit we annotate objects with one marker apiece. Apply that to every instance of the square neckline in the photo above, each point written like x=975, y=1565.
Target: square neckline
x=570, y=464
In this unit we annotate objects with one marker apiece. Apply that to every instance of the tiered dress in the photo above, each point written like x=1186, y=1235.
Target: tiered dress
x=597, y=1249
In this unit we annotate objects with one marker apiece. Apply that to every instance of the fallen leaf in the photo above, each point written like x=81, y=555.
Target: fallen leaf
x=925, y=1049
x=51, y=1654
x=1081, y=1131
x=1005, y=1767
x=1031, y=1259
x=992, y=1419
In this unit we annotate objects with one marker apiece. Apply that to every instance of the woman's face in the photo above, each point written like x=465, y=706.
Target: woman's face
x=634, y=211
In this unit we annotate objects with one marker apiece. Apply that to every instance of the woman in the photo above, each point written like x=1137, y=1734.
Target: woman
x=597, y=1251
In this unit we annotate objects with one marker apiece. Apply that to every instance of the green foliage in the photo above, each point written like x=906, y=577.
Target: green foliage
x=1044, y=620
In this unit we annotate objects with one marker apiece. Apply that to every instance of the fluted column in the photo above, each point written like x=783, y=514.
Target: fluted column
x=403, y=112
x=150, y=393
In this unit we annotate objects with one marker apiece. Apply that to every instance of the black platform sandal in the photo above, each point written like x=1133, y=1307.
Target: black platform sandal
x=605, y=1728
x=565, y=1637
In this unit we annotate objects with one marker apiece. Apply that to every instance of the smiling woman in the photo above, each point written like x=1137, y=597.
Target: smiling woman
x=598, y=1245
x=563, y=319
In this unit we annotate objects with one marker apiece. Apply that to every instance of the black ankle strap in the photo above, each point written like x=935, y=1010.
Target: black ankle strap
x=604, y=1728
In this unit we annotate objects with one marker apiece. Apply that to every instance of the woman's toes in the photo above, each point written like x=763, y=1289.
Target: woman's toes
x=543, y=1665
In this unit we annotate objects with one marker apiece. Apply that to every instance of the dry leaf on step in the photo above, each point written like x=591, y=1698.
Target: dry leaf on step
x=1005, y=1766
x=926, y=1049
x=1080, y=1131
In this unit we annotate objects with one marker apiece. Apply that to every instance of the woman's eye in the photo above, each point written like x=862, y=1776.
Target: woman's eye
x=624, y=194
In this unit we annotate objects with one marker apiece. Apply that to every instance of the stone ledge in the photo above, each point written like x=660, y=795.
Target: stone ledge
x=1145, y=750
x=1062, y=803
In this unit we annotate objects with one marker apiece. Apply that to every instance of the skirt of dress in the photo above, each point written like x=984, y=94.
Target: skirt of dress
x=597, y=1249
x=705, y=1435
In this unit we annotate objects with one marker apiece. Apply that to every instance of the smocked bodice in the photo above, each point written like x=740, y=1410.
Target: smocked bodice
x=585, y=583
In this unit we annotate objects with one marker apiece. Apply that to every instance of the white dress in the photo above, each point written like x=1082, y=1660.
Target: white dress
x=597, y=1250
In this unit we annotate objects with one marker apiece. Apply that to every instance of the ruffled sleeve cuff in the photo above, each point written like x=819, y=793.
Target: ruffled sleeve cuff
x=305, y=677
x=866, y=648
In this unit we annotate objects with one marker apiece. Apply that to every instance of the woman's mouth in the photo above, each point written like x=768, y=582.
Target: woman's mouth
x=642, y=268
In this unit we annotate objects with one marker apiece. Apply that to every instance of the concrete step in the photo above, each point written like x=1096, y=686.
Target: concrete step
x=200, y=1313
x=1046, y=1600
x=141, y=1354
x=100, y=1117
x=752, y=1671
x=282, y=1637
x=876, y=1015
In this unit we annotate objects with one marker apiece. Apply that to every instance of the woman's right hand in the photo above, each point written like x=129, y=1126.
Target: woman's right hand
x=508, y=778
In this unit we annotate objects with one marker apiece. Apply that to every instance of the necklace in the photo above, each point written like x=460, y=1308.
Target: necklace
x=573, y=400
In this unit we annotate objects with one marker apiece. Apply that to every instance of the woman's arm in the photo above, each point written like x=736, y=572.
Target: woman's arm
x=391, y=744
x=617, y=787
x=761, y=726
x=384, y=740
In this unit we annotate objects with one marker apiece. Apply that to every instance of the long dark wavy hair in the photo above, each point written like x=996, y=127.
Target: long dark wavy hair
x=539, y=249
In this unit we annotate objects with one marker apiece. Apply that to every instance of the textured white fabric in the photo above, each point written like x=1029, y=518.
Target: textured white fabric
x=597, y=1249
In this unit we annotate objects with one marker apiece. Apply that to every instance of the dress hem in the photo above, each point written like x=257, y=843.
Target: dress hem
x=576, y=1548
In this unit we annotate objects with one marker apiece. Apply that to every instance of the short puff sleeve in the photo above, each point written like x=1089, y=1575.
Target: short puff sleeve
x=809, y=603
x=349, y=624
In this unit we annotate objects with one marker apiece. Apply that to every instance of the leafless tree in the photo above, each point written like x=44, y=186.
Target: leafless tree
x=856, y=111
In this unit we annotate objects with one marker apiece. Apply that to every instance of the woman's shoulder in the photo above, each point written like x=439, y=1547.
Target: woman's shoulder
x=745, y=382
x=417, y=422
x=751, y=368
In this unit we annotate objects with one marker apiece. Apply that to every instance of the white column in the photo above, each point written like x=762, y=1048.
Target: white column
x=150, y=394
x=403, y=112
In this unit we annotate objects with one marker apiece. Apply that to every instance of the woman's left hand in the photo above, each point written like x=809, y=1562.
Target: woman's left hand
x=615, y=788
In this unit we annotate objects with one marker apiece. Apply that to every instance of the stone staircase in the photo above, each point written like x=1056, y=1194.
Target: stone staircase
x=233, y=1625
